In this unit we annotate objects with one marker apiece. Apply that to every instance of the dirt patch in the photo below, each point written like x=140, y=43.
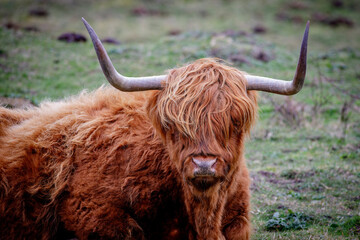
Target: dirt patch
x=337, y=3
x=255, y=179
x=3, y=53
x=15, y=26
x=142, y=11
x=261, y=55
x=72, y=37
x=284, y=16
x=333, y=21
x=267, y=174
x=239, y=59
x=174, y=32
x=11, y=25
x=259, y=29
x=271, y=177
x=284, y=182
x=38, y=12
x=297, y=5
x=357, y=198
x=31, y=29
x=232, y=33
x=276, y=179
x=110, y=40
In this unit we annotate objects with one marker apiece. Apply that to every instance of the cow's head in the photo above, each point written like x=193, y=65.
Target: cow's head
x=203, y=111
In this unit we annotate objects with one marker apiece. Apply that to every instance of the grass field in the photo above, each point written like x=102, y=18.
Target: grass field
x=304, y=153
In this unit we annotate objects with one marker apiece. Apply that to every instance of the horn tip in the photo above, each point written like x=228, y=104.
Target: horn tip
x=87, y=25
x=306, y=32
x=307, y=26
x=91, y=31
x=85, y=22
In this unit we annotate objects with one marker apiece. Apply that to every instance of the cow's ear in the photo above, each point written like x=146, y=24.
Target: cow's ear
x=153, y=113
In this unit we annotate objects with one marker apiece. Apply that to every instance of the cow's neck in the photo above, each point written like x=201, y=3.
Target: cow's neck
x=205, y=211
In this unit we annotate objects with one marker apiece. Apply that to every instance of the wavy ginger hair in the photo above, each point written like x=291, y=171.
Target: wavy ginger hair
x=205, y=99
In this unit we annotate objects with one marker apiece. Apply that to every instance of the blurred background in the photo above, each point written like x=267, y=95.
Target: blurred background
x=304, y=152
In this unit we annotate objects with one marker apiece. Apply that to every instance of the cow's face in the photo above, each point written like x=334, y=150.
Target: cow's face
x=203, y=115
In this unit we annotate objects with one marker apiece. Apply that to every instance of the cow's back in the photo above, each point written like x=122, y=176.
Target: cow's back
x=54, y=157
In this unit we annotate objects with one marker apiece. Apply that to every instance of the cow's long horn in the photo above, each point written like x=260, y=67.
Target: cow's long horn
x=280, y=86
x=127, y=84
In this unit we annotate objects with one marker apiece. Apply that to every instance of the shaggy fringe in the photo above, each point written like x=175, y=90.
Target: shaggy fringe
x=187, y=102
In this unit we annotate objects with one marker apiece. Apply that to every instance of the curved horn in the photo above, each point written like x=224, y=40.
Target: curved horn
x=280, y=86
x=127, y=84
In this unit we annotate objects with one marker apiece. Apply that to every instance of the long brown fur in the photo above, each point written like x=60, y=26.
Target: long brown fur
x=113, y=165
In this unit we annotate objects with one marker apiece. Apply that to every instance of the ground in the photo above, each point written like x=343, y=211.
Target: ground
x=304, y=151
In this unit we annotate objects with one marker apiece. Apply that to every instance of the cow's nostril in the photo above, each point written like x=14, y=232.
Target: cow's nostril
x=204, y=163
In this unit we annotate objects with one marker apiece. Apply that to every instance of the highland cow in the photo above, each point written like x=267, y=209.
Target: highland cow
x=163, y=164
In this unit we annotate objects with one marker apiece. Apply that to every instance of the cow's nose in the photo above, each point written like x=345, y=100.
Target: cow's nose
x=204, y=166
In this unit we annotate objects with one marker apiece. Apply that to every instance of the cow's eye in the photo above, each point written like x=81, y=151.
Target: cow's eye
x=236, y=126
x=182, y=147
x=174, y=136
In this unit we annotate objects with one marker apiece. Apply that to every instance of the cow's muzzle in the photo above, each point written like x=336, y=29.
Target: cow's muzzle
x=204, y=166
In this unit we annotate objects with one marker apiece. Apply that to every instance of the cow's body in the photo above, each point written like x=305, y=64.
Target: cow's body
x=168, y=164
x=94, y=167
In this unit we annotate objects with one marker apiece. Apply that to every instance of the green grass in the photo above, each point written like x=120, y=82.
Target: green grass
x=304, y=153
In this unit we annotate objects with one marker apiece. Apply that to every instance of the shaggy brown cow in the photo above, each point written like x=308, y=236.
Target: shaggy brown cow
x=164, y=164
